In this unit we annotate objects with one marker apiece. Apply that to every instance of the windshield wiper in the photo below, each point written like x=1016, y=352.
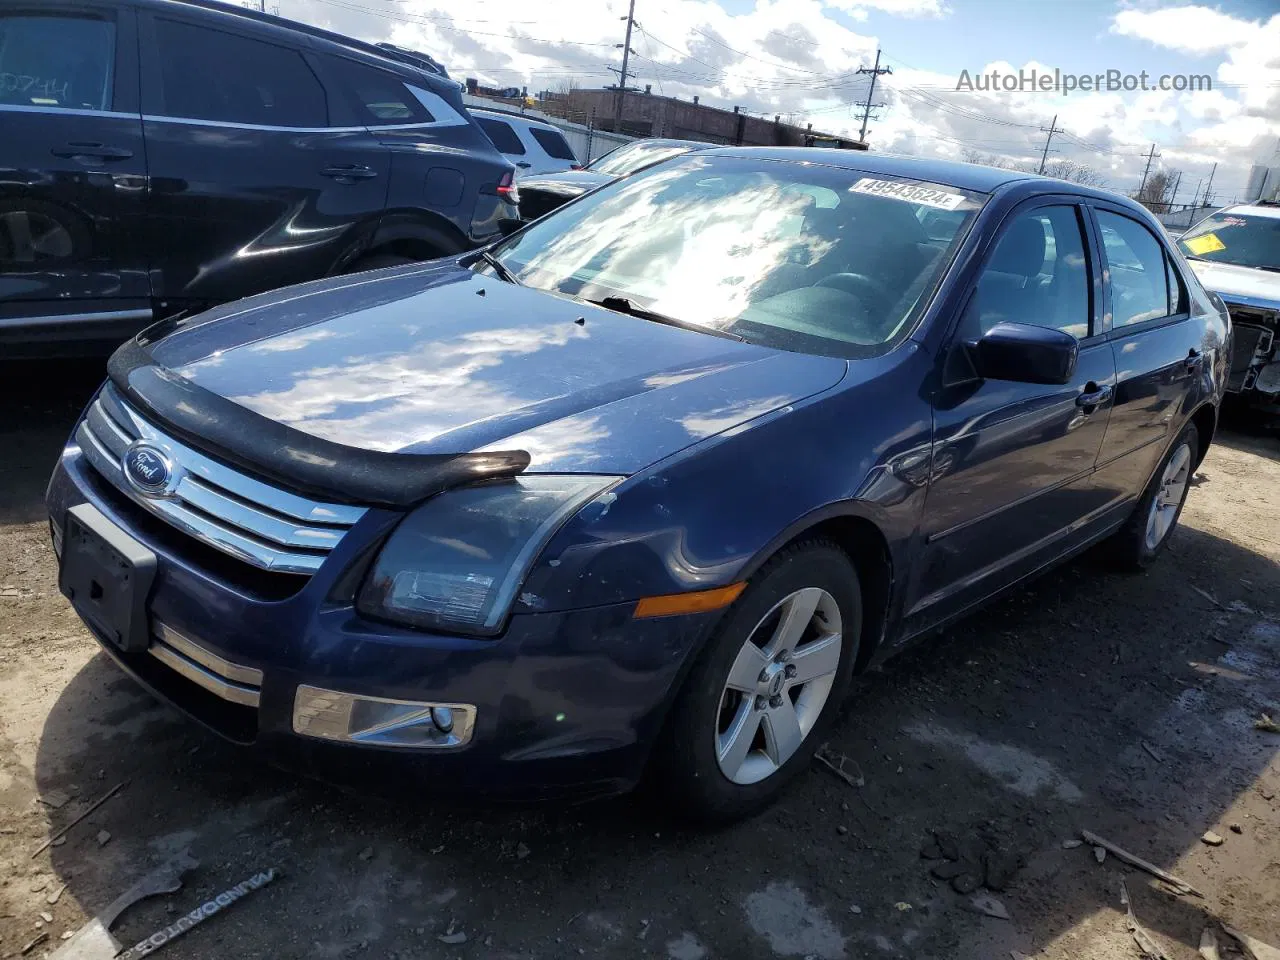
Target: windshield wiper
x=501, y=269
x=631, y=308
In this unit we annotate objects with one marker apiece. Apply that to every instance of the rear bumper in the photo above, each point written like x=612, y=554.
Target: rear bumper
x=566, y=704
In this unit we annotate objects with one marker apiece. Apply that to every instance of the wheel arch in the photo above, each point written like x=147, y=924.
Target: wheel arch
x=416, y=234
x=852, y=527
x=1205, y=419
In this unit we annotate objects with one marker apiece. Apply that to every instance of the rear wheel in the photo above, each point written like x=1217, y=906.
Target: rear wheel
x=1147, y=532
x=770, y=681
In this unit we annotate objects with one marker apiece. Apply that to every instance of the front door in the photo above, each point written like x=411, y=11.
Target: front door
x=1013, y=462
x=251, y=188
x=72, y=174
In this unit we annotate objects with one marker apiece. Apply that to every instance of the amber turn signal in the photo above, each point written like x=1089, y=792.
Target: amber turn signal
x=697, y=602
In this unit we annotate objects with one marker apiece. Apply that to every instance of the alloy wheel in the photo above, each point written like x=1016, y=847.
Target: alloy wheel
x=778, y=684
x=1168, y=498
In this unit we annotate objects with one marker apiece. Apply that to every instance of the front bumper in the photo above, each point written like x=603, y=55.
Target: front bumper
x=566, y=703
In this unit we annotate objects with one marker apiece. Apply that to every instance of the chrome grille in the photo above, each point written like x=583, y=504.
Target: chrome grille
x=253, y=521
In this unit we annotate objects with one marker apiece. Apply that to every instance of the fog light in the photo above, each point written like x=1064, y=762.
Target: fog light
x=442, y=717
x=332, y=715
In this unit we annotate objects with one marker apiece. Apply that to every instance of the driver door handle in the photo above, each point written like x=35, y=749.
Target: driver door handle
x=1093, y=396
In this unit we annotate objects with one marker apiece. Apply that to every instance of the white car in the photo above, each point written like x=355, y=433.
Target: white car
x=1236, y=254
x=533, y=146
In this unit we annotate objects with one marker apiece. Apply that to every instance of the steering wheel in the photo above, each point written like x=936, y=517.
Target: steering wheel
x=861, y=286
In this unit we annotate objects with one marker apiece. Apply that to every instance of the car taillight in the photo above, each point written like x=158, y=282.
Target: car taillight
x=507, y=187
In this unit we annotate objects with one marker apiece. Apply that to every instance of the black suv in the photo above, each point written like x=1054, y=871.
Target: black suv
x=159, y=156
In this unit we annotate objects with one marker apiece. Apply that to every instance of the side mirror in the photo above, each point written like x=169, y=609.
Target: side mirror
x=1025, y=353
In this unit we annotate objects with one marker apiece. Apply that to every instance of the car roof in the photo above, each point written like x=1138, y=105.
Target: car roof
x=667, y=142
x=385, y=58
x=1255, y=210
x=967, y=176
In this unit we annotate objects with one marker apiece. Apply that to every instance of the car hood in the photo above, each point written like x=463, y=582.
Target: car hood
x=1228, y=281
x=443, y=360
x=570, y=183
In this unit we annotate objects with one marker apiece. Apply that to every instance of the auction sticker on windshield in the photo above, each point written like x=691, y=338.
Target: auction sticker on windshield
x=910, y=192
x=1205, y=243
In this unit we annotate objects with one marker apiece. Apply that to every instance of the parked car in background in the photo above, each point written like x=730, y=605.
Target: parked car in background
x=161, y=157
x=533, y=146
x=1236, y=254
x=641, y=487
x=540, y=195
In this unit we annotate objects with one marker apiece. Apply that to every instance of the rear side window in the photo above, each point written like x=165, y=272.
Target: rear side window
x=57, y=61
x=379, y=97
x=1136, y=265
x=555, y=145
x=210, y=75
x=1176, y=299
x=502, y=136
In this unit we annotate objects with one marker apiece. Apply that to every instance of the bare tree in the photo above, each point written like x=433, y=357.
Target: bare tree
x=1064, y=169
x=1157, y=193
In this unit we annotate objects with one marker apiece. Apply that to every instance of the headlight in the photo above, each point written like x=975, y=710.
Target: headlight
x=456, y=562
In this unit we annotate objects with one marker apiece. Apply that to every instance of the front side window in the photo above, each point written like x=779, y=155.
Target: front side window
x=1137, y=269
x=501, y=136
x=1246, y=240
x=628, y=159
x=803, y=257
x=1037, y=275
x=553, y=143
x=210, y=75
x=55, y=61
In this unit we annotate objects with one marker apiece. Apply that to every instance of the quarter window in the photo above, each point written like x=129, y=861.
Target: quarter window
x=554, y=144
x=1037, y=275
x=210, y=75
x=502, y=136
x=57, y=61
x=1138, y=271
x=380, y=98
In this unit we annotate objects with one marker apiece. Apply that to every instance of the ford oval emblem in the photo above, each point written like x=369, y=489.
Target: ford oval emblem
x=148, y=469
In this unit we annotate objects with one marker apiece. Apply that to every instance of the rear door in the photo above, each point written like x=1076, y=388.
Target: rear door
x=72, y=172
x=252, y=187
x=1158, y=349
x=508, y=142
x=557, y=155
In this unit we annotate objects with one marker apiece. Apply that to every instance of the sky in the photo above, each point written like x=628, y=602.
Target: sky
x=797, y=58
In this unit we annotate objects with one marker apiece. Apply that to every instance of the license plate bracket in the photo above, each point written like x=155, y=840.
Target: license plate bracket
x=107, y=576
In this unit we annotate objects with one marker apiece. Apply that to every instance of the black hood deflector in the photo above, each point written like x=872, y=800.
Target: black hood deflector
x=284, y=455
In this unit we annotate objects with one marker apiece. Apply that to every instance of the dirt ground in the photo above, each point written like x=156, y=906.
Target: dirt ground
x=1120, y=704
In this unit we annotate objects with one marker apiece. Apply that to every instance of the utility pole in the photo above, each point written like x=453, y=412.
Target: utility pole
x=1174, y=196
x=1048, y=140
x=875, y=72
x=622, y=74
x=1208, y=187
x=1150, y=155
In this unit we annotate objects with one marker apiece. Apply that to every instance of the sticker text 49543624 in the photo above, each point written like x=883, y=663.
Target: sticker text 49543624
x=910, y=192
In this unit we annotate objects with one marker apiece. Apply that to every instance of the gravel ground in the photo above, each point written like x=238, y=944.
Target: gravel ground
x=1121, y=704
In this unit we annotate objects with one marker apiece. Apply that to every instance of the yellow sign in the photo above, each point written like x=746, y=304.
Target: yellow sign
x=1205, y=243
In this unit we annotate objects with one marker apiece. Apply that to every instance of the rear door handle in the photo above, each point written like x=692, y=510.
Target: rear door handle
x=524, y=164
x=97, y=151
x=1093, y=396
x=349, y=171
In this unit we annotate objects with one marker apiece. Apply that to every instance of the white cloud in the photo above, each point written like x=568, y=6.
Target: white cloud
x=1193, y=29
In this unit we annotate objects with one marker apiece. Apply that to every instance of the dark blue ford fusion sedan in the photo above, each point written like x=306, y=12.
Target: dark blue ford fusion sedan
x=639, y=488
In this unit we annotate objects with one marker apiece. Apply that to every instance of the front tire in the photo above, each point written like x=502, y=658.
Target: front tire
x=766, y=687
x=1145, y=534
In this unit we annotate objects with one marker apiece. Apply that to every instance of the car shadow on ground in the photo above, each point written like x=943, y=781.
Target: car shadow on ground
x=1017, y=727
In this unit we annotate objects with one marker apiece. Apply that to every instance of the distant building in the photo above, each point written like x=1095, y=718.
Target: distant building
x=645, y=114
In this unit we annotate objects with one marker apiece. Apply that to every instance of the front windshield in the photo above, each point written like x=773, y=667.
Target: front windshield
x=800, y=256
x=630, y=158
x=1242, y=239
